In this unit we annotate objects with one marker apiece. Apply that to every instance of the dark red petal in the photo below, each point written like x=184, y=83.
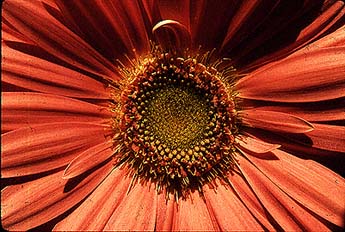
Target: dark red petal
x=25, y=206
x=334, y=39
x=305, y=77
x=287, y=213
x=247, y=18
x=216, y=15
x=137, y=211
x=113, y=28
x=95, y=211
x=36, y=149
x=275, y=121
x=175, y=10
x=172, y=35
x=21, y=109
x=33, y=20
x=36, y=74
x=89, y=159
x=307, y=182
x=151, y=10
x=314, y=30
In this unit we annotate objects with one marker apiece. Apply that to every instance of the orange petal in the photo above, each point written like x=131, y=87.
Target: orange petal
x=276, y=121
x=25, y=206
x=88, y=159
x=311, y=76
x=136, y=212
x=95, y=211
x=45, y=147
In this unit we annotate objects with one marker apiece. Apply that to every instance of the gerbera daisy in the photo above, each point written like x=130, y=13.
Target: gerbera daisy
x=172, y=115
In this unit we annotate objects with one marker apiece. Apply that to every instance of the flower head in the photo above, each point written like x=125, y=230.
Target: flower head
x=160, y=115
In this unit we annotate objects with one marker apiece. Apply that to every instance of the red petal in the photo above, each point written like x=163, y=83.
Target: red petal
x=297, y=144
x=88, y=159
x=192, y=214
x=11, y=34
x=319, y=112
x=327, y=137
x=276, y=121
x=33, y=73
x=21, y=109
x=45, y=147
x=255, y=145
x=312, y=76
x=166, y=211
x=25, y=206
x=289, y=215
x=34, y=21
x=307, y=182
x=247, y=196
x=231, y=214
x=96, y=210
x=137, y=212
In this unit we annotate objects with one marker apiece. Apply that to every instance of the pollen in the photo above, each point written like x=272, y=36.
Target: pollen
x=177, y=122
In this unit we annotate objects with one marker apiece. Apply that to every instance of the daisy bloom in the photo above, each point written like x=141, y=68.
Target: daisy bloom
x=173, y=115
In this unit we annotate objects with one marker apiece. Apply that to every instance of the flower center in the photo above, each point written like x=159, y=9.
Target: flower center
x=178, y=122
x=176, y=115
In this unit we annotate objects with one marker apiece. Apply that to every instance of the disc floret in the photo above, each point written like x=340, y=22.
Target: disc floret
x=178, y=122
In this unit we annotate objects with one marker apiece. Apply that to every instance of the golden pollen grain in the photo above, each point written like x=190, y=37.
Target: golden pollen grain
x=177, y=123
